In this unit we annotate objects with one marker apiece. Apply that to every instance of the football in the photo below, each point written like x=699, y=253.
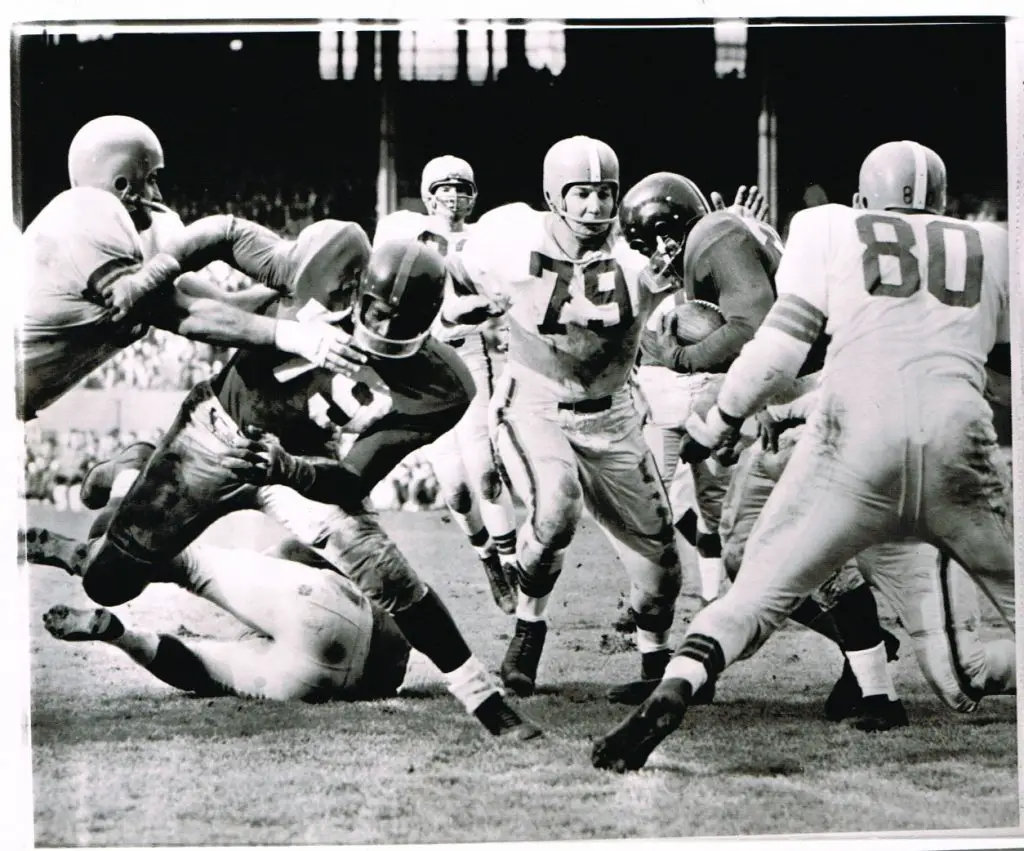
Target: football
x=692, y=321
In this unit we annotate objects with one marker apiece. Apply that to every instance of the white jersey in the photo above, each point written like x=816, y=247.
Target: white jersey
x=78, y=244
x=899, y=290
x=573, y=325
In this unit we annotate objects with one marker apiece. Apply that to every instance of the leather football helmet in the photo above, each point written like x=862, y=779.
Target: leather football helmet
x=902, y=175
x=118, y=154
x=579, y=159
x=449, y=171
x=656, y=216
x=330, y=257
x=398, y=298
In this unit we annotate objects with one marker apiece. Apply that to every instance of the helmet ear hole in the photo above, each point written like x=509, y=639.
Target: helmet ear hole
x=121, y=183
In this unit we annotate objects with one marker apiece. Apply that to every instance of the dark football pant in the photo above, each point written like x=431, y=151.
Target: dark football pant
x=185, y=488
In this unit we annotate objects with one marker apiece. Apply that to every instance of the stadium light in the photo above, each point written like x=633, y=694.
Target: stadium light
x=731, y=48
x=235, y=44
x=328, y=59
x=545, y=45
x=349, y=49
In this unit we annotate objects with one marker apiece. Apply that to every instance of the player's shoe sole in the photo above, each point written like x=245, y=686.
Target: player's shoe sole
x=69, y=624
x=628, y=746
x=51, y=548
x=95, y=490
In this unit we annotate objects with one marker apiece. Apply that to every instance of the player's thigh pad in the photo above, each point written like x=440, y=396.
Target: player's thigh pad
x=621, y=484
x=538, y=460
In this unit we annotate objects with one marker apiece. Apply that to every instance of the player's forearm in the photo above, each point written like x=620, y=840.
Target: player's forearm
x=714, y=353
x=243, y=245
x=373, y=456
x=250, y=299
x=220, y=324
x=769, y=361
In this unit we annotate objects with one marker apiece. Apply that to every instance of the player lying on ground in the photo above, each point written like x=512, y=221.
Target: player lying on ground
x=563, y=420
x=95, y=248
x=411, y=390
x=463, y=458
x=308, y=633
x=901, y=443
x=724, y=260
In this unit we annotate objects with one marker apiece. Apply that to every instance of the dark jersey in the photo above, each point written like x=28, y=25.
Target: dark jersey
x=427, y=395
x=731, y=262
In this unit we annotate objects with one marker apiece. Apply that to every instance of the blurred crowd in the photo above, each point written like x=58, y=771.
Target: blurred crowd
x=56, y=462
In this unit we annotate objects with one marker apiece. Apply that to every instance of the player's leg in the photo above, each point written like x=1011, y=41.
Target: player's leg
x=354, y=542
x=464, y=505
x=966, y=494
x=710, y=483
x=252, y=666
x=540, y=466
x=625, y=494
x=183, y=488
x=937, y=603
x=491, y=494
x=823, y=511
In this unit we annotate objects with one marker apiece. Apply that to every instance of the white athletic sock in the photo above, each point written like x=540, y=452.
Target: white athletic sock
x=532, y=608
x=140, y=646
x=684, y=668
x=649, y=642
x=871, y=668
x=712, y=575
x=471, y=684
x=122, y=482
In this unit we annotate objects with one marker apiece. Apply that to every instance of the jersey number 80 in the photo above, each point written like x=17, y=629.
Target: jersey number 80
x=892, y=236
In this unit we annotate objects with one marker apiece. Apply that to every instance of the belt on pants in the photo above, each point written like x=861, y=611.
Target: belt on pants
x=587, y=406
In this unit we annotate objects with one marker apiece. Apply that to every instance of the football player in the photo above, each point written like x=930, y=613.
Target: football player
x=308, y=633
x=933, y=598
x=728, y=259
x=411, y=390
x=463, y=458
x=718, y=256
x=97, y=247
x=900, y=443
x=563, y=420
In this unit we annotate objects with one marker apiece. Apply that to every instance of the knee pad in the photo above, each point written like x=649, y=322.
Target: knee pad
x=460, y=500
x=556, y=517
x=491, y=487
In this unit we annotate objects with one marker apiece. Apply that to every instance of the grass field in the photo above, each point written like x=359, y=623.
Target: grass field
x=120, y=759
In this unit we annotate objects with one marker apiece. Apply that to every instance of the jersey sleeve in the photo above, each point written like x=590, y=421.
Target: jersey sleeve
x=730, y=262
x=103, y=244
x=802, y=275
x=477, y=269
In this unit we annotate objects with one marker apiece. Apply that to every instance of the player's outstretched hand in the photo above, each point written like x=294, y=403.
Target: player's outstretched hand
x=322, y=344
x=749, y=202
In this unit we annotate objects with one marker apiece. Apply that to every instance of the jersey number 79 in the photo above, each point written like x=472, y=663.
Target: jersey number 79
x=892, y=236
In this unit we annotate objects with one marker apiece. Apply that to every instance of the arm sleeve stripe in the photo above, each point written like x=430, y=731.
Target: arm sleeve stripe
x=105, y=274
x=796, y=317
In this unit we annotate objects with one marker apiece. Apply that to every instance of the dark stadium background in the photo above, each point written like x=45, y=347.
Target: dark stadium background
x=230, y=119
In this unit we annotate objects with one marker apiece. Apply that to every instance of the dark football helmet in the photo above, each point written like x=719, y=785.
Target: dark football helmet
x=398, y=298
x=329, y=257
x=656, y=216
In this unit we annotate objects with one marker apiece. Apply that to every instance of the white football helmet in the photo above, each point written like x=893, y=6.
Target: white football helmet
x=902, y=175
x=454, y=172
x=120, y=155
x=579, y=159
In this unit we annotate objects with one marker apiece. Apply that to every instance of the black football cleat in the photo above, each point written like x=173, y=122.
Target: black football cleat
x=95, y=491
x=504, y=594
x=844, y=700
x=878, y=714
x=637, y=691
x=519, y=667
x=629, y=745
x=500, y=719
